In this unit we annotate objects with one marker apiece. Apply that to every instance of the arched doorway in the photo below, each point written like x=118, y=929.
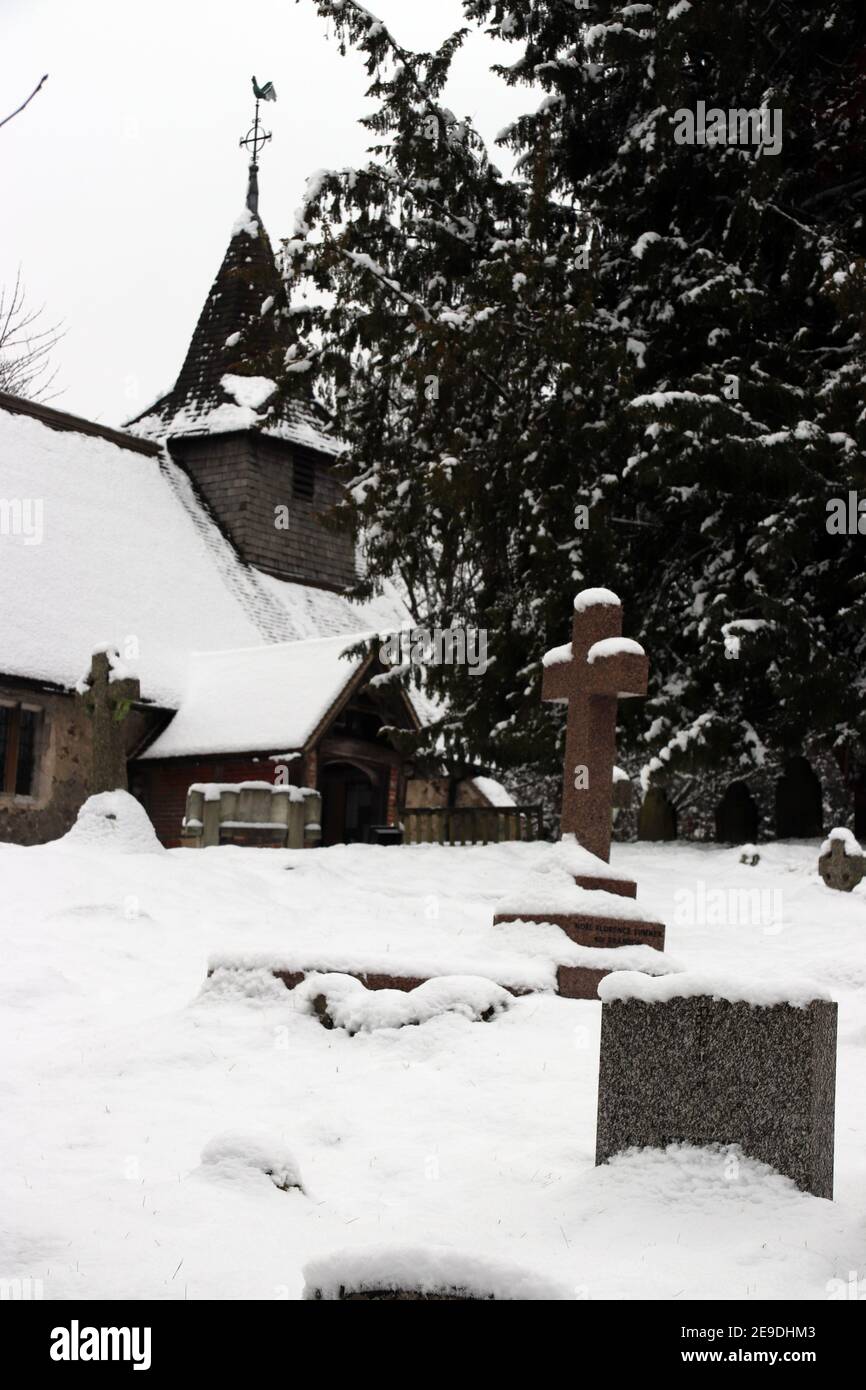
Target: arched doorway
x=352, y=802
x=658, y=816
x=737, y=816
x=799, y=814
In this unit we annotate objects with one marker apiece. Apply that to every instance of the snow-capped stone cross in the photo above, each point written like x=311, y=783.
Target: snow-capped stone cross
x=589, y=674
x=107, y=700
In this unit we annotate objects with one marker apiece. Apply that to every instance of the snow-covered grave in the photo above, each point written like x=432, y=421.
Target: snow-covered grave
x=525, y=950
x=135, y=1099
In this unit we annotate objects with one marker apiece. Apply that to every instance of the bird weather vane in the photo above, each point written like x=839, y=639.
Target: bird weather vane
x=255, y=139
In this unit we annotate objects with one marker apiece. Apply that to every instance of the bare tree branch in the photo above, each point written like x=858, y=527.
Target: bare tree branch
x=43, y=79
x=25, y=345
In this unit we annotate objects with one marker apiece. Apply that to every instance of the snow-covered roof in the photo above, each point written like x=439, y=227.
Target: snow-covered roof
x=244, y=338
x=125, y=554
x=493, y=791
x=257, y=699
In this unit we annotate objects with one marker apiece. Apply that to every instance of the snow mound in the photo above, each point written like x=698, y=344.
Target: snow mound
x=613, y=646
x=569, y=853
x=558, y=656
x=427, y=1270
x=228, y=984
x=849, y=843
x=113, y=821
x=235, y=1156
x=340, y=1001
x=691, y=984
x=687, y=1177
x=595, y=598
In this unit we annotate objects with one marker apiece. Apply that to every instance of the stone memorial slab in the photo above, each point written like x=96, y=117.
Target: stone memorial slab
x=688, y=1060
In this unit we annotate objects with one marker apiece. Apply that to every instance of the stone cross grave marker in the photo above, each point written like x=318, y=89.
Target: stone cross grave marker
x=590, y=674
x=842, y=863
x=108, y=702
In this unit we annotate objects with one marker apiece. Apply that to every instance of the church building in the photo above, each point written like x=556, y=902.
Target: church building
x=195, y=549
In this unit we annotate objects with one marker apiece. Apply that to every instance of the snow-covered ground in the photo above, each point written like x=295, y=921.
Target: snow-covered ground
x=121, y=1068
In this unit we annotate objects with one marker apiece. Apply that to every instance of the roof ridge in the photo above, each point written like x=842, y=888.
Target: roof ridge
x=76, y=424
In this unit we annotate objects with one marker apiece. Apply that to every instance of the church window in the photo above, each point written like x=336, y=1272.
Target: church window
x=19, y=732
x=303, y=479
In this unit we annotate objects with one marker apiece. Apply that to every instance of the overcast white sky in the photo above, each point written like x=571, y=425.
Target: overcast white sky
x=121, y=181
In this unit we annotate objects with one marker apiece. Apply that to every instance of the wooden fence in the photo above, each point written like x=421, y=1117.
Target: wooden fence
x=469, y=825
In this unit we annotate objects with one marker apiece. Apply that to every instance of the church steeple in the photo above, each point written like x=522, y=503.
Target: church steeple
x=242, y=420
x=244, y=331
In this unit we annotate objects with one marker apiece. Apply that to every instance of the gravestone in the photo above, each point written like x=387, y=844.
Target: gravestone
x=590, y=674
x=657, y=819
x=108, y=698
x=690, y=1061
x=737, y=816
x=842, y=863
x=799, y=813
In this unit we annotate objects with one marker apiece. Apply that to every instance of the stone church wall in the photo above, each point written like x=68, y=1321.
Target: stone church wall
x=63, y=764
x=62, y=769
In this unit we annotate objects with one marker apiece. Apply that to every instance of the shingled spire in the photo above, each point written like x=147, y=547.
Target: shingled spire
x=237, y=355
x=241, y=419
x=238, y=351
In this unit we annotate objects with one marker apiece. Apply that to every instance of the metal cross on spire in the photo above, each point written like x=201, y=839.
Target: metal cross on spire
x=255, y=139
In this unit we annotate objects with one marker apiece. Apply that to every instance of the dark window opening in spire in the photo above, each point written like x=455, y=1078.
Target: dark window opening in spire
x=303, y=479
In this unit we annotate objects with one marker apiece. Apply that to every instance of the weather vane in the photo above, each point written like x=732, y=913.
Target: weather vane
x=254, y=140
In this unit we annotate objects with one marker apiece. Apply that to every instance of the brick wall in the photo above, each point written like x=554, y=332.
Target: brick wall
x=162, y=784
x=244, y=478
